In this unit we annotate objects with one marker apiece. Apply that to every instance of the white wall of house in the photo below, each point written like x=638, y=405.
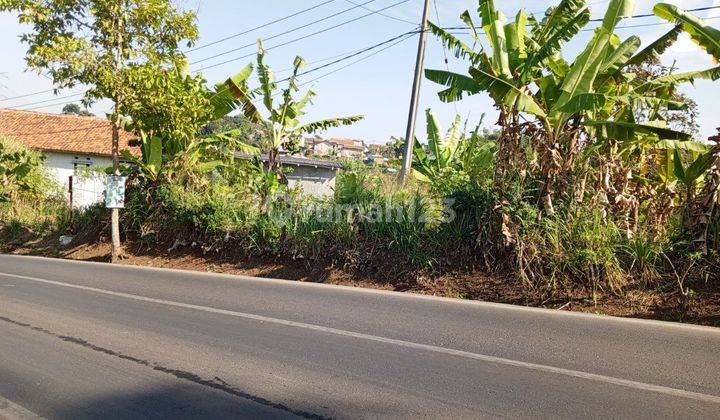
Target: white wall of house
x=323, y=148
x=351, y=153
x=316, y=181
x=88, y=188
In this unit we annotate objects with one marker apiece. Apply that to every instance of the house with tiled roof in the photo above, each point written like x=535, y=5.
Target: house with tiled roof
x=71, y=144
x=335, y=146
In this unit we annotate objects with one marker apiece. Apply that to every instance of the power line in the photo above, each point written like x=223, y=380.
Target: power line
x=380, y=44
x=387, y=45
x=51, y=99
x=444, y=50
x=359, y=60
x=303, y=37
x=336, y=61
x=27, y=94
x=225, y=62
x=345, y=56
x=618, y=27
x=285, y=32
x=63, y=102
x=699, y=9
x=407, y=36
x=393, y=41
x=204, y=45
x=261, y=26
x=18, y=107
x=384, y=14
x=322, y=60
x=398, y=40
x=376, y=12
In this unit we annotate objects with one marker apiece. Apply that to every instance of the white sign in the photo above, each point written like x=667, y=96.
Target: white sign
x=115, y=192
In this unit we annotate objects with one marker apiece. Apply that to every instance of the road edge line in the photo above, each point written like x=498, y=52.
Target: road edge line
x=642, y=386
x=12, y=411
x=405, y=295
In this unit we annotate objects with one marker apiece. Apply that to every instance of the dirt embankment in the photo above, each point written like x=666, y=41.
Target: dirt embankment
x=703, y=307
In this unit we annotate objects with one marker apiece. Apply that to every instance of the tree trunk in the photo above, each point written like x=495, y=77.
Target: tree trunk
x=116, y=246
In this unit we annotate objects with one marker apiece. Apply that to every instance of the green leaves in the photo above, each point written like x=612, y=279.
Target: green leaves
x=323, y=125
x=506, y=93
x=492, y=22
x=620, y=55
x=233, y=94
x=154, y=155
x=456, y=46
x=449, y=152
x=585, y=102
x=623, y=131
x=700, y=32
x=553, y=44
x=688, y=175
x=266, y=77
x=656, y=48
x=690, y=146
x=674, y=79
x=20, y=171
x=458, y=84
x=587, y=66
x=282, y=126
x=557, y=18
x=597, y=101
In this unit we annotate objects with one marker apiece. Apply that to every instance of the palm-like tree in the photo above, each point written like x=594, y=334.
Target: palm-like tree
x=282, y=121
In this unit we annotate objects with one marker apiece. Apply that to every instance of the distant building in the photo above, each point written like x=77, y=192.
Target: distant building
x=378, y=149
x=314, y=176
x=335, y=147
x=71, y=144
x=376, y=159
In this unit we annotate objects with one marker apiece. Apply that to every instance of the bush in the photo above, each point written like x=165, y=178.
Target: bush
x=30, y=202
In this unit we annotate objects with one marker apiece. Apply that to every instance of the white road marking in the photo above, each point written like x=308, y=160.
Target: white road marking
x=426, y=347
x=11, y=411
x=364, y=290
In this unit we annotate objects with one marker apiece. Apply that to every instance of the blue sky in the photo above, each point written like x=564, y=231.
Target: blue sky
x=377, y=87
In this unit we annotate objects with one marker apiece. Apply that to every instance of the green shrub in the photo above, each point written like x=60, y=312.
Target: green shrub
x=30, y=202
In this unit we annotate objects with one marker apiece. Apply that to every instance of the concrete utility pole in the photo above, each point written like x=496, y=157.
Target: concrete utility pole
x=412, y=115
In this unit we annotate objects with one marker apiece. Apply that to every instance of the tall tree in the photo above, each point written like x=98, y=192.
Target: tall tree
x=74, y=109
x=108, y=46
x=283, y=123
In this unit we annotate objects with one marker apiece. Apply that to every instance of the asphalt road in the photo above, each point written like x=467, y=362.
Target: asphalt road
x=84, y=340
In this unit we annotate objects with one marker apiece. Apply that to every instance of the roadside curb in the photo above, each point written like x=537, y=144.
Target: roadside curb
x=388, y=293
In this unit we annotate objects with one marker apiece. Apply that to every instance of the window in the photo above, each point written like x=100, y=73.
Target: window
x=81, y=163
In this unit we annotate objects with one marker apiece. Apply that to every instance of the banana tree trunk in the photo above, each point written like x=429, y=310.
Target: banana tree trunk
x=705, y=207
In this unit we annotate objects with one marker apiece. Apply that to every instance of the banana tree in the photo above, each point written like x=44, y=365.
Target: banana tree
x=441, y=152
x=561, y=107
x=282, y=122
x=453, y=150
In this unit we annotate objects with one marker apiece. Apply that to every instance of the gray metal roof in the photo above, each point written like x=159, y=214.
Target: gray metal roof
x=294, y=161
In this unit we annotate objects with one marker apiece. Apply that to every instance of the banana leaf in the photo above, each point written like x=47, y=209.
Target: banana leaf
x=707, y=37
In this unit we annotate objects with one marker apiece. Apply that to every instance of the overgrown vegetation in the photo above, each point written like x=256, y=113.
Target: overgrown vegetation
x=30, y=204
x=591, y=181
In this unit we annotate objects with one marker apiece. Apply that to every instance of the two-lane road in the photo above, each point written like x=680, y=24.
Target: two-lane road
x=85, y=340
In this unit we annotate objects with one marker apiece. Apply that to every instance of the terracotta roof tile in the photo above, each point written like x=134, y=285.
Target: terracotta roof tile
x=348, y=143
x=62, y=133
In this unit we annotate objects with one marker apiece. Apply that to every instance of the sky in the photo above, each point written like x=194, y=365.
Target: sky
x=377, y=87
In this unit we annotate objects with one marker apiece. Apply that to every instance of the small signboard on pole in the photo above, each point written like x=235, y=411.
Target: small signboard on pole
x=115, y=192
